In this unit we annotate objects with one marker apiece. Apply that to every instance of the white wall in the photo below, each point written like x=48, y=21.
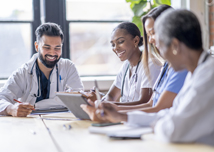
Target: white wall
x=200, y=9
x=104, y=83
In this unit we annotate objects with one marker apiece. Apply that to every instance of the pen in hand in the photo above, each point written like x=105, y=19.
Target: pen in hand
x=19, y=102
x=98, y=102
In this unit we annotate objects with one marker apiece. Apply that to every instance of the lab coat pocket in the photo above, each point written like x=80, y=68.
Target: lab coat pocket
x=61, y=85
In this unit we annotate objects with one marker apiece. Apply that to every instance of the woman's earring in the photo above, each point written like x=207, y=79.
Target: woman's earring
x=135, y=46
x=174, y=52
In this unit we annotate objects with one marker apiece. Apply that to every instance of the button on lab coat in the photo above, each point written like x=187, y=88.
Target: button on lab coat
x=23, y=84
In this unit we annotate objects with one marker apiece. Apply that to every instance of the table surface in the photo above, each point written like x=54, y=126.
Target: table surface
x=46, y=133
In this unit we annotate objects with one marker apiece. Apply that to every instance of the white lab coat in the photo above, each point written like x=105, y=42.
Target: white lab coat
x=23, y=85
x=190, y=119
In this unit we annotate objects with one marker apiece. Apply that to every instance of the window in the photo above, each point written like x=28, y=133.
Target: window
x=16, y=26
x=15, y=46
x=90, y=26
x=87, y=26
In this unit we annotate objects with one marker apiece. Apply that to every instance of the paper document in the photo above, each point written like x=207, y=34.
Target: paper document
x=130, y=133
x=121, y=131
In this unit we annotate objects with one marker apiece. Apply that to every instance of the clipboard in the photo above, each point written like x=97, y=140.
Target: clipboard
x=73, y=102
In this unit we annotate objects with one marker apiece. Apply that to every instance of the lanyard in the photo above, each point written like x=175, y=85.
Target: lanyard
x=165, y=68
x=133, y=75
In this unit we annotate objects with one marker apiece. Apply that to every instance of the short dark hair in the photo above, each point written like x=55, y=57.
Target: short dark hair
x=49, y=29
x=182, y=25
x=132, y=29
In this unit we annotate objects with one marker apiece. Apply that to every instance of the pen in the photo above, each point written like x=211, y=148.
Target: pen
x=60, y=78
x=98, y=98
x=19, y=102
x=58, y=119
x=97, y=90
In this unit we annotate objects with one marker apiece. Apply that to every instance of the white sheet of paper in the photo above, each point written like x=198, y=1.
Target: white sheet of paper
x=121, y=130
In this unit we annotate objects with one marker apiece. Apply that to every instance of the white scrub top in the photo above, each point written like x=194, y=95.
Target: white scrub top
x=132, y=89
x=190, y=119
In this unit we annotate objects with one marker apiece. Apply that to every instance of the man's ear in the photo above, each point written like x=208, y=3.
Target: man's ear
x=36, y=46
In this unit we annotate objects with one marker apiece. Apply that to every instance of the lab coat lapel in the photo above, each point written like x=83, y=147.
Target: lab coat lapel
x=53, y=83
x=33, y=86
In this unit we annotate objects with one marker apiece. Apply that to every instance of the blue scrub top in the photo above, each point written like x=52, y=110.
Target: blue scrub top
x=44, y=84
x=170, y=81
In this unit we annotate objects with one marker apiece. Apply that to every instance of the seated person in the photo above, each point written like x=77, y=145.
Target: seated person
x=37, y=81
x=190, y=118
x=169, y=81
x=132, y=85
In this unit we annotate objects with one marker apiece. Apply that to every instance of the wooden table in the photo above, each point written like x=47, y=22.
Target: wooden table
x=47, y=133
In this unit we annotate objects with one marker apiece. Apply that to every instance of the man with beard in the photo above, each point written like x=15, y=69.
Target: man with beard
x=35, y=83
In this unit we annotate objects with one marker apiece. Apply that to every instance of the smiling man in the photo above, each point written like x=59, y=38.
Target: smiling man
x=35, y=83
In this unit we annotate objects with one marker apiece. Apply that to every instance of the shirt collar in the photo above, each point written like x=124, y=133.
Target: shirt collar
x=202, y=57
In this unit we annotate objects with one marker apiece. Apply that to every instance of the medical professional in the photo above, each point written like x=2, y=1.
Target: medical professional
x=190, y=118
x=35, y=83
x=132, y=85
x=169, y=82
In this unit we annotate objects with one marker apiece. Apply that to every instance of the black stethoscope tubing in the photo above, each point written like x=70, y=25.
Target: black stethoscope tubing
x=57, y=73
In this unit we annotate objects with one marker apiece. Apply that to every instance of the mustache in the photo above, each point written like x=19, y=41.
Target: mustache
x=56, y=56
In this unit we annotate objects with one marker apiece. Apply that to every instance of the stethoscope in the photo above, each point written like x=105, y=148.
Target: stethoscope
x=133, y=77
x=157, y=84
x=39, y=82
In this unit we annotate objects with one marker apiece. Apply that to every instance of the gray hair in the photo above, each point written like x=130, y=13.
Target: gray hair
x=180, y=24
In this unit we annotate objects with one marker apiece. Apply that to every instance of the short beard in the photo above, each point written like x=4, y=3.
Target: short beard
x=46, y=63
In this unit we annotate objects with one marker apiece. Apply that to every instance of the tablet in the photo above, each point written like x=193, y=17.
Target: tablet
x=73, y=102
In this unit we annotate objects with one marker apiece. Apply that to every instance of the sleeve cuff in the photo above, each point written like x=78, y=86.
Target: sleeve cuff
x=140, y=119
x=3, y=106
x=164, y=129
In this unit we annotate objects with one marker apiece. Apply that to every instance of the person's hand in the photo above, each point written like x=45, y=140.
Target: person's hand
x=90, y=110
x=114, y=106
x=108, y=112
x=92, y=96
x=19, y=109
